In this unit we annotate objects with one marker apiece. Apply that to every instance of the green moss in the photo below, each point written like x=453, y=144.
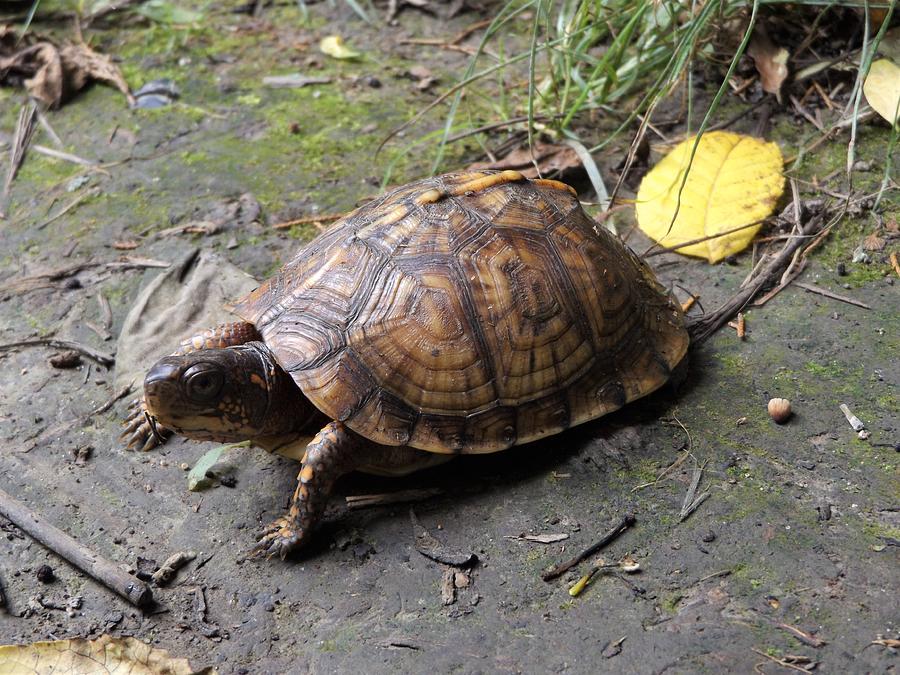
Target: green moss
x=669, y=602
x=830, y=369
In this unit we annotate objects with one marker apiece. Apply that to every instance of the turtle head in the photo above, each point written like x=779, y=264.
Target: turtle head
x=233, y=394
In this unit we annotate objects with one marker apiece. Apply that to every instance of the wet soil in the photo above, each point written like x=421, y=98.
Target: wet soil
x=800, y=529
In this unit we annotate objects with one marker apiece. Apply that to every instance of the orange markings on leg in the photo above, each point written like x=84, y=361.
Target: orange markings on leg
x=306, y=473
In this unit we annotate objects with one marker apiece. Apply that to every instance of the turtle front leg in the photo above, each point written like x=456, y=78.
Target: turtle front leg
x=335, y=451
x=140, y=432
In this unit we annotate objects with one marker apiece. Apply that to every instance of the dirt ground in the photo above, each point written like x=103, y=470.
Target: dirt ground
x=794, y=552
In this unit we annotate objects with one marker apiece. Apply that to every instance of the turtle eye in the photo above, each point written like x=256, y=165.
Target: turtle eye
x=203, y=382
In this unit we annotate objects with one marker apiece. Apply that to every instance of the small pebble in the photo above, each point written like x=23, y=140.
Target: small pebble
x=807, y=464
x=44, y=574
x=709, y=536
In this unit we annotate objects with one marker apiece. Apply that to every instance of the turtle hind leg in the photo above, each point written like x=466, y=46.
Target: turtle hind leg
x=335, y=451
x=140, y=431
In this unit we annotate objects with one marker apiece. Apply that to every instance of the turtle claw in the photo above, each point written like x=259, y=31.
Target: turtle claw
x=141, y=431
x=278, y=538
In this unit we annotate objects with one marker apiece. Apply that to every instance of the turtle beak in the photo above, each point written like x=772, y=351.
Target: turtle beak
x=160, y=374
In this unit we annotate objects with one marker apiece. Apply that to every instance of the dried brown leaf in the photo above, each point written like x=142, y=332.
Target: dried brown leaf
x=770, y=59
x=52, y=74
x=873, y=243
x=106, y=654
x=82, y=64
x=550, y=159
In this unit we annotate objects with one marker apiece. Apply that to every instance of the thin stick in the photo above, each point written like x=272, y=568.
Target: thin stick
x=459, y=37
x=690, y=503
x=58, y=429
x=784, y=284
x=399, y=497
x=24, y=131
x=133, y=590
x=307, y=220
x=812, y=288
x=627, y=521
x=93, y=192
x=649, y=253
x=105, y=360
x=780, y=662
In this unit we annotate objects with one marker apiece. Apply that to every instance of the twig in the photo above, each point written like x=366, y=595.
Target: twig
x=5, y=139
x=687, y=304
x=45, y=125
x=24, y=131
x=649, y=253
x=93, y=192
x=307, y=220
x=786, y=281
x=627, y=521
x=31, y=283
x=691, y=503
x=62, y=427
x=720, y=573
x=106, y=360
x=133, y=590
x=665, y=472
x=804, y=637
x=105, y=310
x=172, y=564
x=780, y=662
x=812, y=288
x=455, y=40
x=399, y=497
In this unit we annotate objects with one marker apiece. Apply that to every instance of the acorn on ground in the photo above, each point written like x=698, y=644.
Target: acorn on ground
x=779, y=410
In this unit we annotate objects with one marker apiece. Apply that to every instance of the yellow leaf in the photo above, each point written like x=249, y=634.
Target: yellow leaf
x=102, y=656
x=335, y=47
x=733, y=181
x=882, y=89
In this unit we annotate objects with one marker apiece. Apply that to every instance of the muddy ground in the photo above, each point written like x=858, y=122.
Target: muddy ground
x=799, y=532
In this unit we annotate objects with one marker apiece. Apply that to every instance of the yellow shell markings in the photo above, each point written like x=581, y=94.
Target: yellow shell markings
x=734, y=180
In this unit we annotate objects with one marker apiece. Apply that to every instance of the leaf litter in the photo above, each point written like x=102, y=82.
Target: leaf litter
x=52, y=74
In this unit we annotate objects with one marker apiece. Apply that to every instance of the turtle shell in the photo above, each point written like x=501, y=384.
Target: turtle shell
x=468, y=313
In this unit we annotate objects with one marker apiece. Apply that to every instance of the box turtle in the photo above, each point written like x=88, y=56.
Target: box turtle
x=465, y=313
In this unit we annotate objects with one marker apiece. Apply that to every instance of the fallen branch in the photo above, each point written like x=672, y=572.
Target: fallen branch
x=133, y=590
x=705, y=326
x=47, y=279
x=106, y=360
x=627, y=521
